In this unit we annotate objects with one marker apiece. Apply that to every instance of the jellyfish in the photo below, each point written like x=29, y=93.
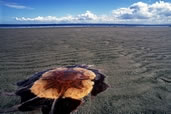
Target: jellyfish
x=59, y=90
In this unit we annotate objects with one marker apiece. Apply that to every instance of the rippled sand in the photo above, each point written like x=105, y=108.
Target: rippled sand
x=136, y=60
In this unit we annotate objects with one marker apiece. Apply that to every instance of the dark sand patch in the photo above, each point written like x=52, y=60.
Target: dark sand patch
x=137, y=61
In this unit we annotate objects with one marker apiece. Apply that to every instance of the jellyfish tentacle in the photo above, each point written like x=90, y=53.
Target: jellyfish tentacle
x=53, y=106
x=17, y=107
x=12, y=109
x=7, y=94
x=29, y=105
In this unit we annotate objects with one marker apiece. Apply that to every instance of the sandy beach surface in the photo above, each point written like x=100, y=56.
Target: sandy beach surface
x=136, y=61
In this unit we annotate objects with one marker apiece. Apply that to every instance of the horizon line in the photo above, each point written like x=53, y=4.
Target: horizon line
x=80, y=24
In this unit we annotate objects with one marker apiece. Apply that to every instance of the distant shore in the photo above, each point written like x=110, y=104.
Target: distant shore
x=79, y=25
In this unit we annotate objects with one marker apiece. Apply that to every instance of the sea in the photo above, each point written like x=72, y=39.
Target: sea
x=79, y=25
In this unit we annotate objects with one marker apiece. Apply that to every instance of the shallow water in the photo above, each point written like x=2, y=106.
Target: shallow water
x=136, y=61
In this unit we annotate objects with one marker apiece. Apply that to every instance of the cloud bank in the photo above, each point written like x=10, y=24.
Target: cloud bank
x=86, y=17
x=159, y=12
x=140, y=12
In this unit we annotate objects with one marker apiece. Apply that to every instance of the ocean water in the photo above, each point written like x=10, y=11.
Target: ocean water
x=79, y=25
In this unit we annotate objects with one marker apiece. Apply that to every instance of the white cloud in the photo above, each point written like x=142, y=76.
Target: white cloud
x=159, y=12
x=14, y=5
x=143, y=13
x=86, y=17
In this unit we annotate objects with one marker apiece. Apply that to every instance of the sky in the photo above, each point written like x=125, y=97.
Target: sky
x=85, y=11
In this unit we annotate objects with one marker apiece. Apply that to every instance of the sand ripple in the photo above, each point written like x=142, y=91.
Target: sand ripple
x=137, y=62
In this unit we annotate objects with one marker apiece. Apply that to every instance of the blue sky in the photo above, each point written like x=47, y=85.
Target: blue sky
x=85, y=11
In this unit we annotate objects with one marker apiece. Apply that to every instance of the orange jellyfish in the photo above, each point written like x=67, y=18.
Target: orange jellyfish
x=59, y=90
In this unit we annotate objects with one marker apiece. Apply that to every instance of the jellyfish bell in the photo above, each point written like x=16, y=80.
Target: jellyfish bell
x=59, y=90
x=74, y=83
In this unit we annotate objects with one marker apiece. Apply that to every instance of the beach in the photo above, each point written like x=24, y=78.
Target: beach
x=135, y=60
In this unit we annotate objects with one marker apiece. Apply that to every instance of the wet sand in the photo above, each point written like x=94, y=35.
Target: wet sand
x=136, y=60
